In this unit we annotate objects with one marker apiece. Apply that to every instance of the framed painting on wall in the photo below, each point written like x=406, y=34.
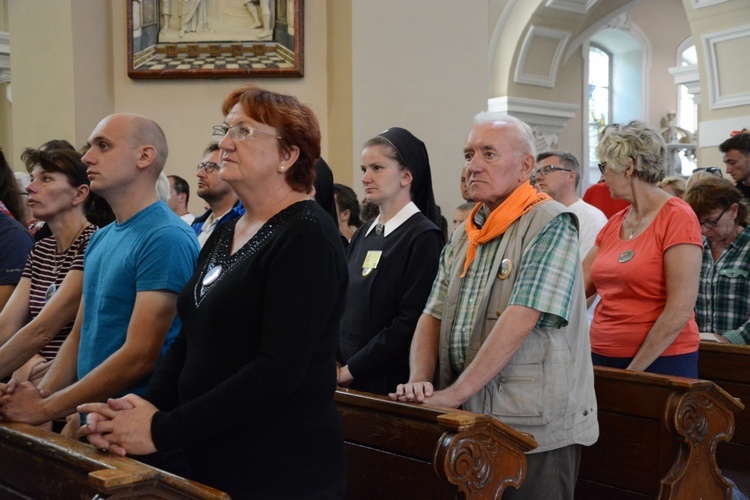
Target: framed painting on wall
x=215, y=38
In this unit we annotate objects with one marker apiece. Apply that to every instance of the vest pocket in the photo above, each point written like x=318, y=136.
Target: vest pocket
x=518, y=395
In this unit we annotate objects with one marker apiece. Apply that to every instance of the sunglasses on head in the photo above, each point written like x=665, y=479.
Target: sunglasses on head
x=711, y=170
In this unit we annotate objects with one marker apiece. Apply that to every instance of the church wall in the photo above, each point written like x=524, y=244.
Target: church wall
x=421, y=65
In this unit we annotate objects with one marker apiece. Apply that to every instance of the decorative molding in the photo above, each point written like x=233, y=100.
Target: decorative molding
x=575, y=6
x=699, y=4
x=710, y=43
x=689, y=77
x=621, y=21
x=546, y=118
x=541, y=32
x=4, y=57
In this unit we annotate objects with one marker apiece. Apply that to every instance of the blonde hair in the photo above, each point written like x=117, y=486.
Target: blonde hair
x=678, y=185
x=638, y=142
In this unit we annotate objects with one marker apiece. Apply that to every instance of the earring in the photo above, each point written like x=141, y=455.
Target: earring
x=281, y=169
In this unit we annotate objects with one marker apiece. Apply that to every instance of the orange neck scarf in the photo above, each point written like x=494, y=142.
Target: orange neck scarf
x=520, y=201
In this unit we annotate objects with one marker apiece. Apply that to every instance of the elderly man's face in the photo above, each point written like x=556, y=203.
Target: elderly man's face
x=495, y=170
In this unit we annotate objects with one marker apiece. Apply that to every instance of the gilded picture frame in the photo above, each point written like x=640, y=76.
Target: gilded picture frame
x=215, y=39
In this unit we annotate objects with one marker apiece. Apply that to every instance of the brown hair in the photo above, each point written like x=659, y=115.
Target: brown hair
x=68, y=162
x=712, y=193
x=296, y=125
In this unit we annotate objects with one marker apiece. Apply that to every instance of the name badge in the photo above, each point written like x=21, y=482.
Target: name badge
x=506, y=266
x=371, y=261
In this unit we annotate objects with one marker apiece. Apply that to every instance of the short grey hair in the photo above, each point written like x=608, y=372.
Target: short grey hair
x=524, y=134
x=566, y=158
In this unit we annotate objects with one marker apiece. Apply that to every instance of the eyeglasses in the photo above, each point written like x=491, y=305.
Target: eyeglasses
x=602, y=166
x=209, y=166
x=710, y=224
x=711, y=170
x=546, y=169
x=238, y=132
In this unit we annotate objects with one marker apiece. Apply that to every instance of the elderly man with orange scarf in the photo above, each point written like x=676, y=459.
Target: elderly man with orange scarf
x=505, y=327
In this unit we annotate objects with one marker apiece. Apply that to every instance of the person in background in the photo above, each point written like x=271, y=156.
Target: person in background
x=599, y=196
x=11, y=199
x=735, y=152
x=223, y=204
x=268, y=375
x=676, y=186
x=42, y=309
x=347, y=208
x=179, y=197
x=527, y=335
x=16, y=240
x=133, y=270
x=558, y=173
x=703, y=173
x=16, y=246
x=461, y=213
x=722, y=307
x=369, y=211
x=644, y=324
x=392, y=263
x=464, y=185
x=323, y=188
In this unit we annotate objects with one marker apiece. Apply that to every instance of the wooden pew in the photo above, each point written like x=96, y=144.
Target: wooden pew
x=410, y=451
x=658, y=438
x=39, y=464
x=728, y=366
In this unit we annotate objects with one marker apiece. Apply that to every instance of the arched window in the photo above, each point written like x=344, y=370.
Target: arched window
x=600, y=95
x=687, y=110
x=616, y=65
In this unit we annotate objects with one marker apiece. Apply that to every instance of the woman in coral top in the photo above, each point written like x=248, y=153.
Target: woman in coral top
x=645, y=264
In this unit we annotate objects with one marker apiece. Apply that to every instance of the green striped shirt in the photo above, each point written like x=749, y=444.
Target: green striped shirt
x=545, y=281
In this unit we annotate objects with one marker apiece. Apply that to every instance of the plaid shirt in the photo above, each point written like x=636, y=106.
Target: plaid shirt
x=723, y=306
x=545, y=281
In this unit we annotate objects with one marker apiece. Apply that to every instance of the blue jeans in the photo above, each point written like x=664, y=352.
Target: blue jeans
x=681, y=365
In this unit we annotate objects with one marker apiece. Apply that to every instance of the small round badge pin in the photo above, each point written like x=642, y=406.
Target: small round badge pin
x=626, y=256
x=211, y=276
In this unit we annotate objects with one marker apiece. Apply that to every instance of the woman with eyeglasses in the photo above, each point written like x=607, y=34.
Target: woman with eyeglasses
x=40, y=313
x=722, y=308
x=644, y=264
x=246, y=391
x=392, y=263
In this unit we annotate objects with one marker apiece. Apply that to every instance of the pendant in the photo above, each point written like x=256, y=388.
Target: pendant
x=211, y=276
x=626, y=256
x=50, y=292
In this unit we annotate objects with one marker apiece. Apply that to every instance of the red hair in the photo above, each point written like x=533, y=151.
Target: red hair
x=295, y=122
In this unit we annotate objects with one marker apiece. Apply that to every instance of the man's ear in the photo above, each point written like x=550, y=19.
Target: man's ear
x=527, y=166
x=146, y=156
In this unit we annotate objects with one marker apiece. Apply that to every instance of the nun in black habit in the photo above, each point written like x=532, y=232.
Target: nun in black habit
x=392, y=263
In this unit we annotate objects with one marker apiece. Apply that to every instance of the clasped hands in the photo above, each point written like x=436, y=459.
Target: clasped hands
x=120, y=426
x=22, y=402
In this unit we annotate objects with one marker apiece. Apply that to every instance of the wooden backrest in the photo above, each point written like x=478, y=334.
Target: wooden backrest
x=409, y=451
x=728, y=366
x=658, y=438
x=39, y=464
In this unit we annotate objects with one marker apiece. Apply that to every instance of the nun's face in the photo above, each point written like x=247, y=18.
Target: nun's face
x=383, y=178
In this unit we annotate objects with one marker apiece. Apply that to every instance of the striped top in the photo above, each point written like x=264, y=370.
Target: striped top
x=45, y=267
